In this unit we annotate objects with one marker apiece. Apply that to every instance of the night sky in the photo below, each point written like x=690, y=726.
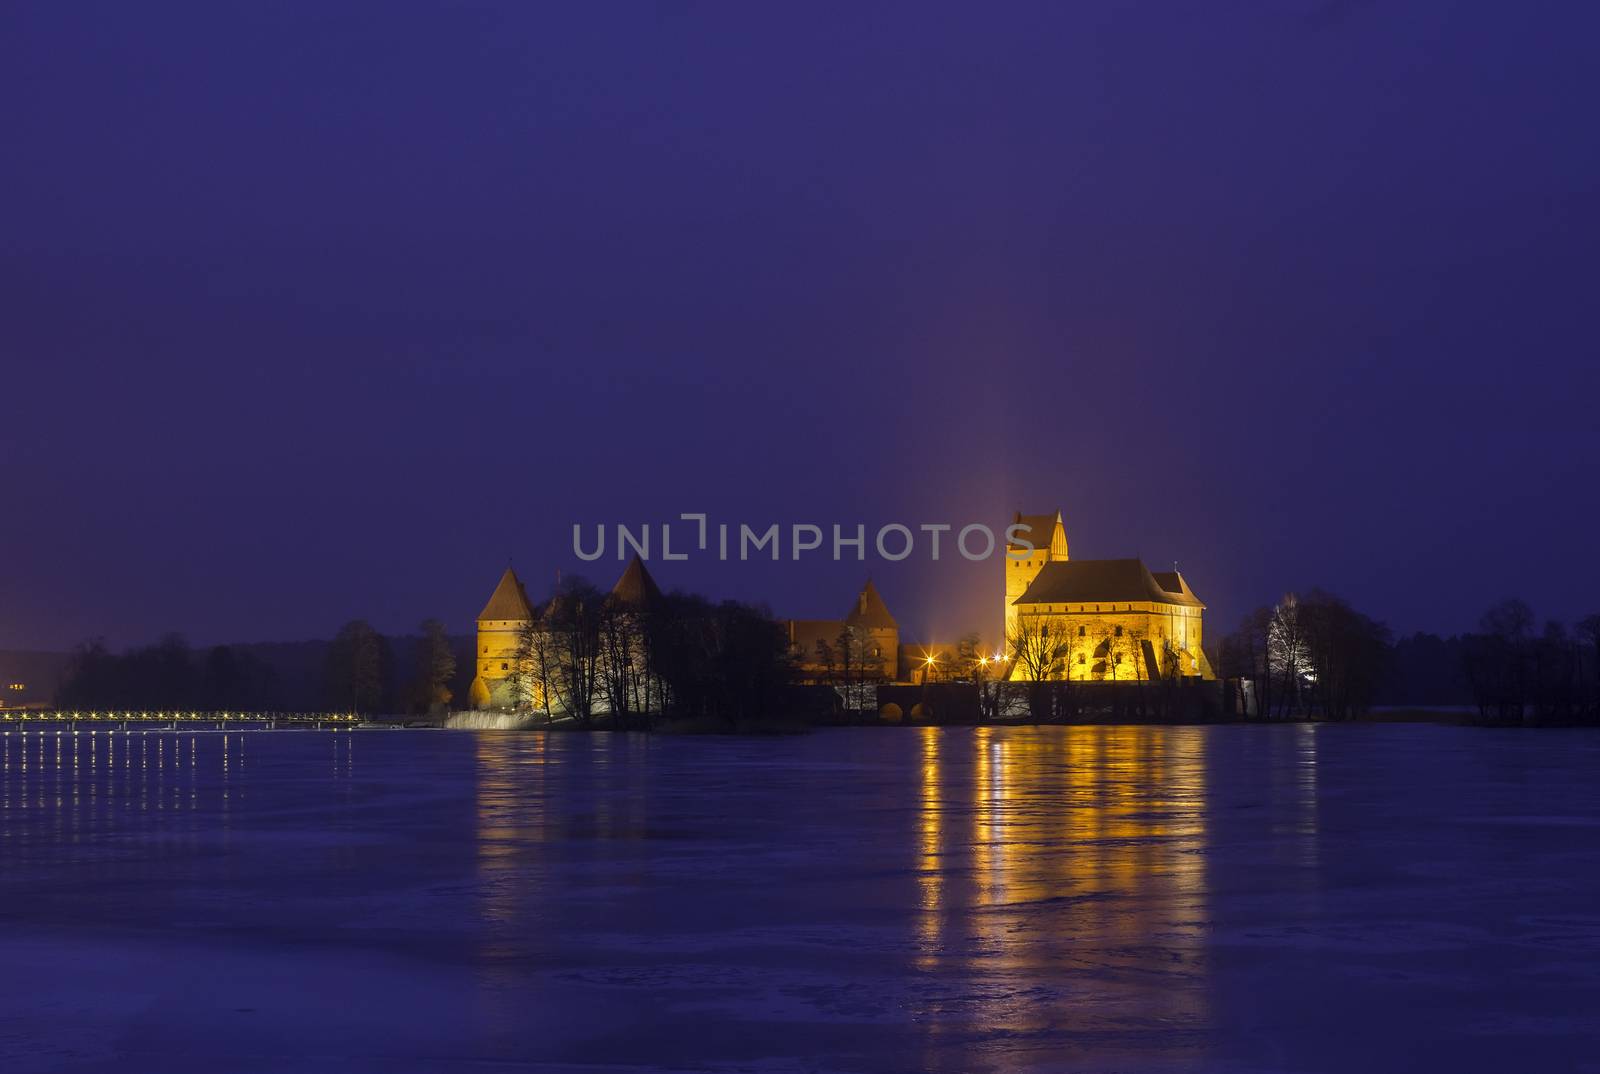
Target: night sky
x=317, y=311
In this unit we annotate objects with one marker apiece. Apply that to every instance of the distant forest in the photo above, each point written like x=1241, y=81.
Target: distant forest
x=359, y=669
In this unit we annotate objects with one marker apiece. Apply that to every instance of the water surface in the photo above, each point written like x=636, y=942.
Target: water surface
x=1233, y=898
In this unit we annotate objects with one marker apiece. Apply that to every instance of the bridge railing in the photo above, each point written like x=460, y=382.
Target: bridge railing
x=175, y=717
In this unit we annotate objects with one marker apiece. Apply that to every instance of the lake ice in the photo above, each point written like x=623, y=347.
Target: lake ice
x=1234, y=898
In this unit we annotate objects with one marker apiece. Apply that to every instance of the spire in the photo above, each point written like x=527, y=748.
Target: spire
x=870, y=611
x=636, y=589
x=509, y=600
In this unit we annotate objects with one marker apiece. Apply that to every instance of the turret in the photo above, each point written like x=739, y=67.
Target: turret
x=500, y=626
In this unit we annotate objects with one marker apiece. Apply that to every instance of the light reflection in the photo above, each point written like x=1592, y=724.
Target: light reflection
x=1306, y=793
x=77, y=777
x=1087, y=851
x=930, y=876
x=510, y=776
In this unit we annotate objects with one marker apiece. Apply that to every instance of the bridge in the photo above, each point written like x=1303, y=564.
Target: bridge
x=31, y=719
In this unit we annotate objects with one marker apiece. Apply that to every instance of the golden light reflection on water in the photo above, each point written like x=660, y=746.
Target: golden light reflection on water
x=930, y=875
x=1046, y=880
x=1087, y=849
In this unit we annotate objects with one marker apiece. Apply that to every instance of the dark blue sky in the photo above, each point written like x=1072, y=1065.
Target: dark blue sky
x=320, y=310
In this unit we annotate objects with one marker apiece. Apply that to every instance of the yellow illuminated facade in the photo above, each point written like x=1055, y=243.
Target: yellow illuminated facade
x=1046, y=542
x=1097, y=620
x=500, y=627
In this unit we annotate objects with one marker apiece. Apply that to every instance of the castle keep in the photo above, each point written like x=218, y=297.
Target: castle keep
x=1102, y=619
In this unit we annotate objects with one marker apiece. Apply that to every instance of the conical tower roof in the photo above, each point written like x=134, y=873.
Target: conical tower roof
x=636, y=589
x=870, y=611
x=509, y=600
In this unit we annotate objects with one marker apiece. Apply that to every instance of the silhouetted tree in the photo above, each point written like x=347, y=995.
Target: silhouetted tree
x=571, y=632
x=1499, y=660
x=355, y=671
x=728, y=662
x=435, y=667
x=1589, y=631
x=1345, y=655
x=90, y=681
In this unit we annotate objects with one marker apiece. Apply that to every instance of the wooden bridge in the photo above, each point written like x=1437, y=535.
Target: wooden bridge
x=30, y=719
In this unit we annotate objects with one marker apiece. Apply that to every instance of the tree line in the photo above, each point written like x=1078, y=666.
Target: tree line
x=356, y=672
x=1315, y=656
x=1521, y=673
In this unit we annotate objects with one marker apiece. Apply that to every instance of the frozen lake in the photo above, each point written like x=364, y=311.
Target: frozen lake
x=1297, y=898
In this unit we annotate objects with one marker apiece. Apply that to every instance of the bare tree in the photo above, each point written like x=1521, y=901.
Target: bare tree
x=975, y=662
x=625, y=666
x=1039, y=650
x=571, y=625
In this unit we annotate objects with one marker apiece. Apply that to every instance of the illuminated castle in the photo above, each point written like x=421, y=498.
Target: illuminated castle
x=1096, y=619
x=1079, y=619
x=509, y=614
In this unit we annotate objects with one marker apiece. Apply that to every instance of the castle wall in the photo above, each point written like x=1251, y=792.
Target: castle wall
x=1120, y=642
x=494, y=652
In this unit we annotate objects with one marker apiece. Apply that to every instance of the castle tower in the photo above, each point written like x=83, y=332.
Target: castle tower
x=1048, y=536
x=869, y=619
x=635, y=589
x=499, y=626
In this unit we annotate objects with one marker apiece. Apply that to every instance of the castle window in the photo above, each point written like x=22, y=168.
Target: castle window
x=1080, y=658
x=1080, y=634
x=1119, y=632
x=505, y=667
